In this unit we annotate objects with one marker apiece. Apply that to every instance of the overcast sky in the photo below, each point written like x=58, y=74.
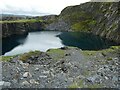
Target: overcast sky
x=36, y=7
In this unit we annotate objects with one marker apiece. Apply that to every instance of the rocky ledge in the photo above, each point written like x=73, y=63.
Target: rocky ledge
x=67, y=67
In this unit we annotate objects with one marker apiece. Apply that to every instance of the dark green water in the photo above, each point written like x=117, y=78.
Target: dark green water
x=44, y=40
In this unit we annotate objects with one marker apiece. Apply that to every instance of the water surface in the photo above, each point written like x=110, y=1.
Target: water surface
x=44, y=40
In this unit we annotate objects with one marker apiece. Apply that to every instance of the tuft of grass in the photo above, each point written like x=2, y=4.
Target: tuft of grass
x=80, y=84
x=56, y=53
x=88, y=53
x=24, y=57
x=115, y=47
x=6, y=58
x=74, y=85
x=95, y=86
x=109, y=58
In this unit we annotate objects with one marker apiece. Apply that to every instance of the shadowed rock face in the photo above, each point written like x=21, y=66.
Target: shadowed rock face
x=12, y=42
x=9, y=29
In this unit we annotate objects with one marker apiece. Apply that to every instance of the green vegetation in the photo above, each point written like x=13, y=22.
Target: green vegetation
x=83, y=25
x=6, y=58
x=22, y=57
x=80, y=84
x=110, y=58
x=86, y=52
x=23, y=21
x=56, y=53
x=74, y=85
x=95, y=86
x=75, y=16
x=86, y=73
x=59, y=53
x=26, y=56
x=104, y=52
x=115, y=47
x=111, y=49
x=80, y=21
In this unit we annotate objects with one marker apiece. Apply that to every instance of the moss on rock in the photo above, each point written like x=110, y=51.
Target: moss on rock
x=24, y=57
x=56, y=53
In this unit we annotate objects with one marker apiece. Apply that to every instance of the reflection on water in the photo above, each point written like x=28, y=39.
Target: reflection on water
x=44, y=40
x=84, y=41
x=10, y=43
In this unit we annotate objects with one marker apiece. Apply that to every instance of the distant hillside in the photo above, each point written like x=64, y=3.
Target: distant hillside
x=9, y=17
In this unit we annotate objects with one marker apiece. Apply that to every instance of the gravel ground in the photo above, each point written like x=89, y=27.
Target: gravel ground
x=75, y=69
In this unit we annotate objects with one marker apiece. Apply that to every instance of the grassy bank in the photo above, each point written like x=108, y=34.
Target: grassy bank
x=23, y=21
x=59, y=53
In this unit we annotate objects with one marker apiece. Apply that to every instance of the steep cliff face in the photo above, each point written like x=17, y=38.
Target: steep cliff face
x=9, y=29
x=100, y=18
x=108, y=23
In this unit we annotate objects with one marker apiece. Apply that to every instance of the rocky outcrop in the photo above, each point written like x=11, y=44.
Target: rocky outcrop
x=100, y=18
x=53, y=22
x=61, y=25
x=107, y=21
x=9, y=29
